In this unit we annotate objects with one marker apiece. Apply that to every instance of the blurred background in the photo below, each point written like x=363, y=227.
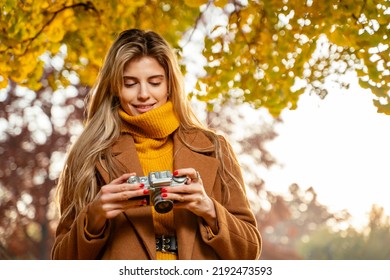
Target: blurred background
x=300, y=88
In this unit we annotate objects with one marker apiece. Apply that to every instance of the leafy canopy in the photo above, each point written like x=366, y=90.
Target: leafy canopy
x=87, y=28
x=265, y=52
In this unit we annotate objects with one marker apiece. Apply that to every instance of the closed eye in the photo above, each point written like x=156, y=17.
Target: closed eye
x=129, y=85
x=129, y=82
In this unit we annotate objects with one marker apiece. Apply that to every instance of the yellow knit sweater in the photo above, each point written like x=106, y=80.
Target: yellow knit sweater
x=152, y=133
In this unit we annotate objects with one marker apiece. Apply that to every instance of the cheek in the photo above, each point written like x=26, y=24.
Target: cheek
x=165, y=97
x=126, y=95
x=162, y=95
x=124, y=103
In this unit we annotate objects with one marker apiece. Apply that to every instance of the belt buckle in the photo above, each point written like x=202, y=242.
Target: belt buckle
x=165, y=244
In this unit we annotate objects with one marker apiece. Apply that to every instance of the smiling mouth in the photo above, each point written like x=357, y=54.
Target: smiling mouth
x=143, y=108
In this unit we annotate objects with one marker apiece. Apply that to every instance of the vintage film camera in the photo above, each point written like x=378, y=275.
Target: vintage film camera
x=154, y=182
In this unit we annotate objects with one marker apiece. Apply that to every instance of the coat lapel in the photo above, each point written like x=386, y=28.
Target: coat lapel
x=207, y=166
x=125, y=152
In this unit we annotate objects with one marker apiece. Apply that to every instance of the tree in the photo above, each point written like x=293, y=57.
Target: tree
x=291, y=219
x=265, y=53
x=86, y=28
x=282, y=48
x=372, y=243
x=36, y=130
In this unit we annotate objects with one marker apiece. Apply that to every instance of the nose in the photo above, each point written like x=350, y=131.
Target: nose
x=143, y=92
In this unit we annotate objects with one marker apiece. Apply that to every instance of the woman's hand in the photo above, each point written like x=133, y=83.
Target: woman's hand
x=192, y=196
x=113, y=199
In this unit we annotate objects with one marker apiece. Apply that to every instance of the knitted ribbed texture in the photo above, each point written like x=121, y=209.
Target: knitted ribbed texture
x=151, y=132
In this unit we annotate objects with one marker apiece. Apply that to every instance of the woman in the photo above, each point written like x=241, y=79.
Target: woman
x=139, y=121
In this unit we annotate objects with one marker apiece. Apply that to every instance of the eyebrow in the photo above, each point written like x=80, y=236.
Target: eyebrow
x=151, y=77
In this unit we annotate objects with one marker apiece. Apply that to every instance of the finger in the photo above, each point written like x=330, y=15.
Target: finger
x=180, y=189
x=189, y=172
x=192, y=174
x=185, y=198
x=119, y=188
x=198, y=177
x=196, y=204
x=181, y=198
x=136, y=202
x=200, y=198
x=114, y=197
x=129, y=187
x=133, y=195
x=122, y=178
x=113, y=209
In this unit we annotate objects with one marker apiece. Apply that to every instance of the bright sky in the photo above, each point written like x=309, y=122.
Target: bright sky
x=340, y=146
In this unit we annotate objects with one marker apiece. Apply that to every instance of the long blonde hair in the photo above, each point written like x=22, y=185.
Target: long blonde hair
x=78, y=183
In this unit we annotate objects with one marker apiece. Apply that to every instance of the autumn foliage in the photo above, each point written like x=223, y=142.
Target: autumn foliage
x=262, y=53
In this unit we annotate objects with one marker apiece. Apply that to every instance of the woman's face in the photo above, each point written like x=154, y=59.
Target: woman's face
x=144, y=86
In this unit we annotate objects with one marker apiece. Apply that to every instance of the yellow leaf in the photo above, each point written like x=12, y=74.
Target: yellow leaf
x=221, y=3
x=44, y=5
x=88, y=75
x=55, y=32
x=195, y=3
x=3, y=81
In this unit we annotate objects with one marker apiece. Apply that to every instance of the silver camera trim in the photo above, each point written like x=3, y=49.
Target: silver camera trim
x=158, y=179
x=154, y=182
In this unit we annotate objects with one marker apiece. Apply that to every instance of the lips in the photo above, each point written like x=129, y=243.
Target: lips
x=143, y=107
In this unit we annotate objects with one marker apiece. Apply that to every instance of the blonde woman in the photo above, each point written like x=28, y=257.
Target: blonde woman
x=139, y=121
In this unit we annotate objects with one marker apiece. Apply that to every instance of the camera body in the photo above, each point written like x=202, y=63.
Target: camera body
x=154, y=182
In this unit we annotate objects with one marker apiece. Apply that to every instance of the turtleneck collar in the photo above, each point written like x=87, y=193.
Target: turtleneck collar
x=157, y=123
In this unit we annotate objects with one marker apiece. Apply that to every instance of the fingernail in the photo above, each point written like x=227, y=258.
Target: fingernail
x=175, y=173
x=144, y=202
x=164, y=190
x=141, y=185
x=164, y=195
x=146, y=191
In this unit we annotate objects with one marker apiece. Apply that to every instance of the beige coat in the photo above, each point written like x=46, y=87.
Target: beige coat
x=131, y=235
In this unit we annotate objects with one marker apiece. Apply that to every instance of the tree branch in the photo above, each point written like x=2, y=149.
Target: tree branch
x=87, y=6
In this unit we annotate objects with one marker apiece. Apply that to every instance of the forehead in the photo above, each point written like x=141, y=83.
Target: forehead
x=143, y=66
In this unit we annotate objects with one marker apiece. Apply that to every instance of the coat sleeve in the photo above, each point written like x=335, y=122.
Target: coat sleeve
x=238, y=236
x=71, y=242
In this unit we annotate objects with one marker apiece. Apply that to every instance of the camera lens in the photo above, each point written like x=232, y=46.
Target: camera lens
x=161, y=205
